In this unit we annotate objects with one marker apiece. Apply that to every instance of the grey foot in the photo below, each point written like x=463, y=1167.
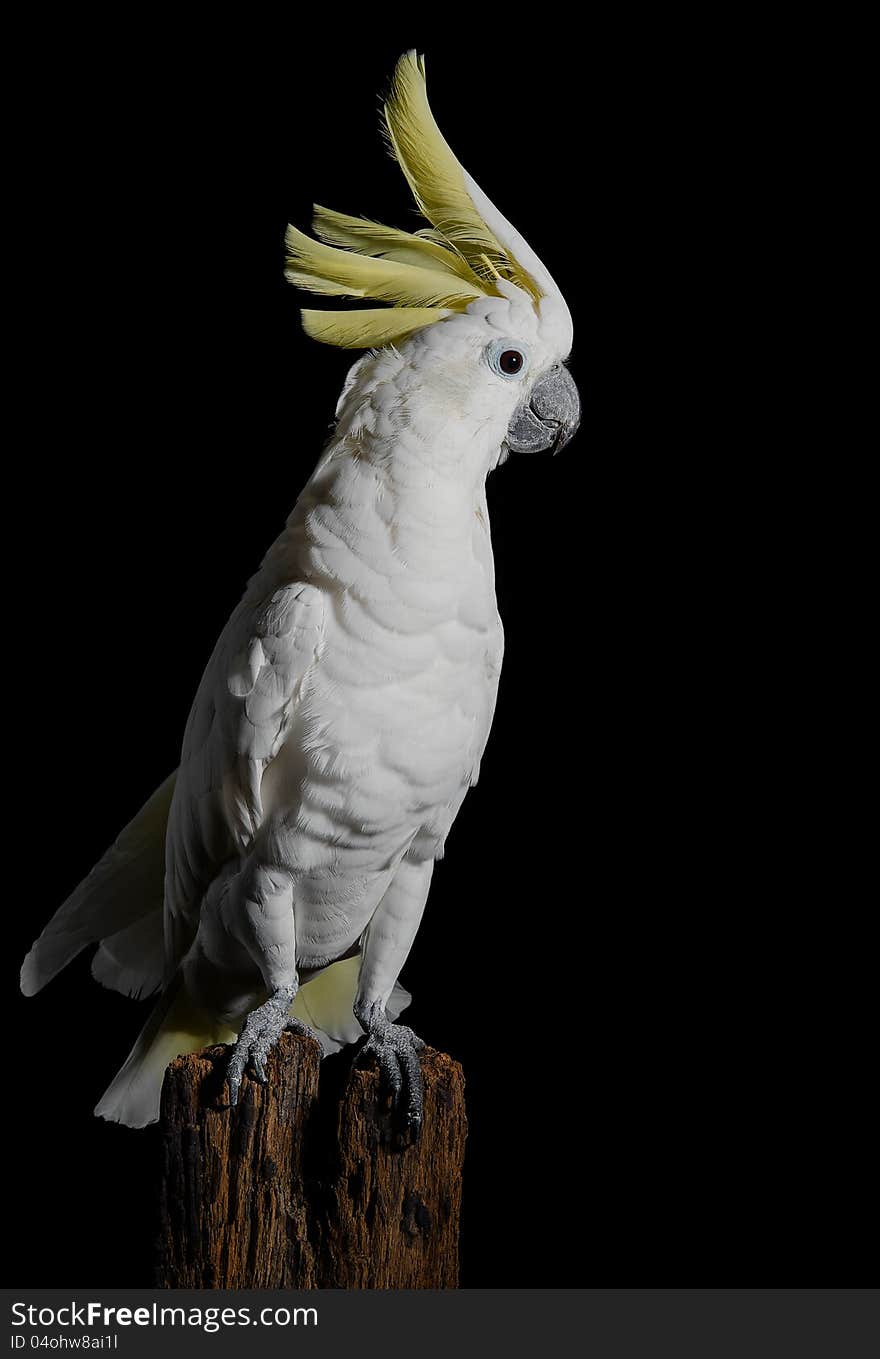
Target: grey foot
x=262, y=1029
x=396, y=1049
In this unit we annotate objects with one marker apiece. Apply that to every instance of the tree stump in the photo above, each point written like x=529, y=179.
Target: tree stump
x=308, y=1185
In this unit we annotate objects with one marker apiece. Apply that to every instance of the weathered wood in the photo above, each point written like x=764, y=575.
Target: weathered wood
x=308, y=1185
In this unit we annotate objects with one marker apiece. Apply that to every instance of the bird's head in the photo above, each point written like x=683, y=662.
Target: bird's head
x=472, y=308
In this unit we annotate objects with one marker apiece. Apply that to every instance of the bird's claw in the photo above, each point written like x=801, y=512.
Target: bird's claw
x=262, y=1029
x=396, y=1049
x=299, y=1026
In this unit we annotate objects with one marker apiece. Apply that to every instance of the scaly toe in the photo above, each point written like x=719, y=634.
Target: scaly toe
x=396, y=1049
x=298, y=1026
x=262, y=1029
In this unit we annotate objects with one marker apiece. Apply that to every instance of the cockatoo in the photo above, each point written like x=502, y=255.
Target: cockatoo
x=278, y=878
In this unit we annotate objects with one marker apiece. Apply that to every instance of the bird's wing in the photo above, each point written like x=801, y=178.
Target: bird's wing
x=238, y=723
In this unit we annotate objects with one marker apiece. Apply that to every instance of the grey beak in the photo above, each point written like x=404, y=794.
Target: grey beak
x=549, y=418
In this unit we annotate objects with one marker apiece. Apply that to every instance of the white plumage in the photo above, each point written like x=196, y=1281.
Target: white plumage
x=345, y=709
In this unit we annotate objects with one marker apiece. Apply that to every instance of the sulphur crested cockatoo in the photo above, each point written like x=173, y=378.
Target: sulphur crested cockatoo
x=278, y=878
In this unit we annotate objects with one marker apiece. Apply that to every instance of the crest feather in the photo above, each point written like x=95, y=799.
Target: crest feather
x=342, y=273
x=370, y=328
x=372, y=238
x=425, y=275
x=437, y=180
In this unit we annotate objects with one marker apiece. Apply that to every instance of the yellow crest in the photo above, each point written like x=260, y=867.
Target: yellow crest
x=424, y=275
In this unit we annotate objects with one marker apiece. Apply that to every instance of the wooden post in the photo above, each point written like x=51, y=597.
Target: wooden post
x=305, y=1185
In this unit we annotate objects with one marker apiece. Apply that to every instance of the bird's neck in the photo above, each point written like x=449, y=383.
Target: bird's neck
x=399, y=488
x=416, y=425
x=368, y=513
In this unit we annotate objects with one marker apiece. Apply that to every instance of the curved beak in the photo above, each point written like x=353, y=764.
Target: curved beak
x=550, y=416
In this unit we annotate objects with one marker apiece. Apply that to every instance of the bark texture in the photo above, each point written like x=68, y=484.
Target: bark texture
x=302, y=1186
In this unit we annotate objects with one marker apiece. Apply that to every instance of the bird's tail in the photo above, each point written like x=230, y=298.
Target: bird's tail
x=176, y=1027
x=118, y=904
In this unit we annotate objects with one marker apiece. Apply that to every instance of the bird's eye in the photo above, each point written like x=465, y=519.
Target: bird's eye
x=506, y=359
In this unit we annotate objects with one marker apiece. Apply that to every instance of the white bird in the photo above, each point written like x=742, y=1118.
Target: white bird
x=343, y=714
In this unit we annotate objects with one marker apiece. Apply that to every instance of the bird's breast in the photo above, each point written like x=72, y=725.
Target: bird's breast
x=395, y=712
x=392, y=722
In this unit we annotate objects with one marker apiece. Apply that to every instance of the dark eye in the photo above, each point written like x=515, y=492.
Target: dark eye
x=507, y=359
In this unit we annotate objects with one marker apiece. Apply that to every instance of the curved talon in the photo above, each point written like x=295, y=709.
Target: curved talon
x=396, y=1049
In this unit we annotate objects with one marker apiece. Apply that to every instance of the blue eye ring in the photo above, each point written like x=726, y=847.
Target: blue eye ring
x=509, y=359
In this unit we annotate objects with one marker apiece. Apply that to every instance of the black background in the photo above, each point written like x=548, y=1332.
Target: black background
x=638, y=944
